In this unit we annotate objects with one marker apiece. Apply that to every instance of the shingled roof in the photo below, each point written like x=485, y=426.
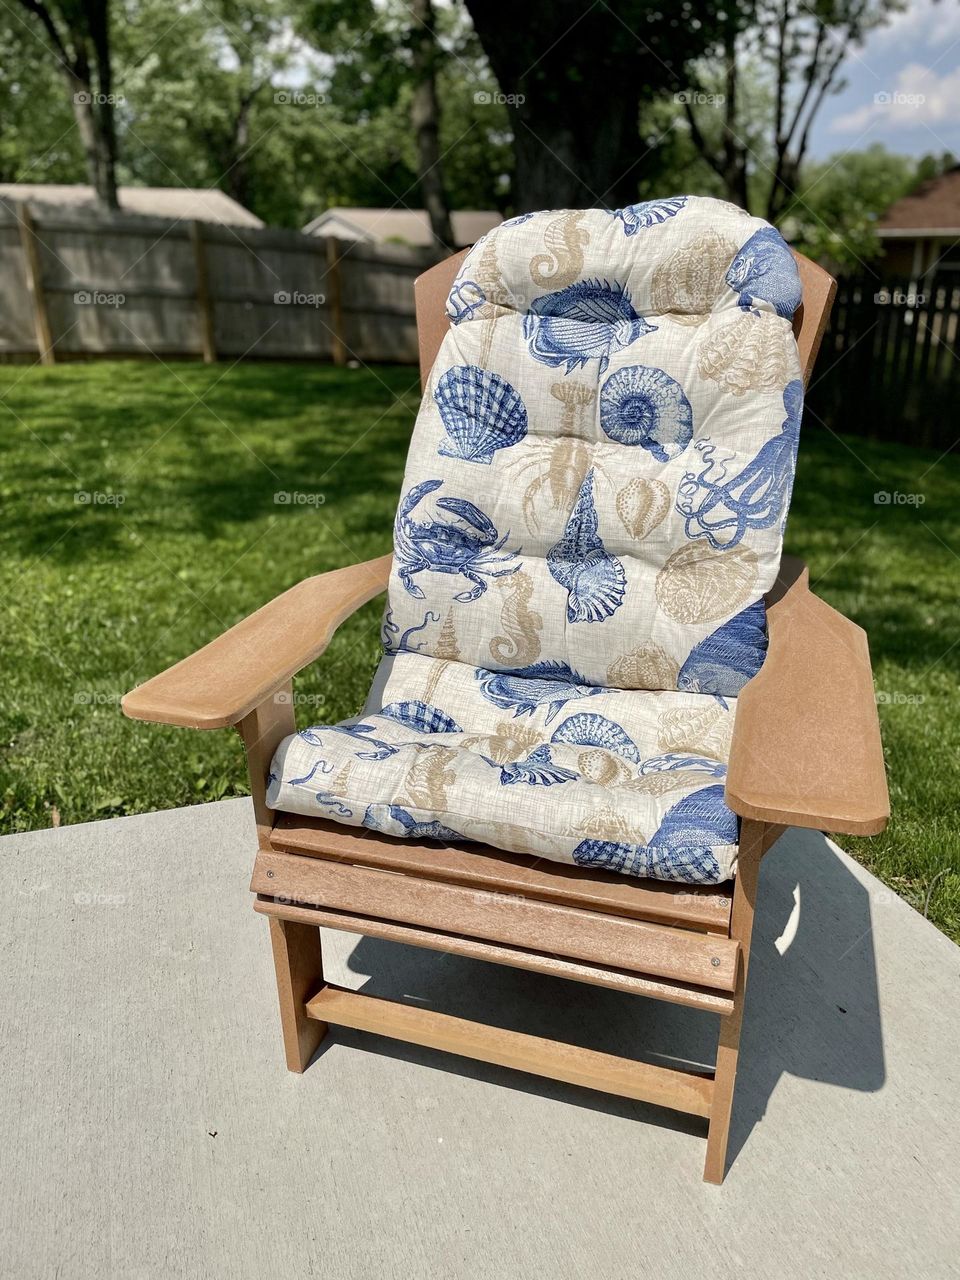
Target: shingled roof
x=933, y=209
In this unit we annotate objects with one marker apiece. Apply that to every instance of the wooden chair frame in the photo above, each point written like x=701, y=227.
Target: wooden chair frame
x=806, y=752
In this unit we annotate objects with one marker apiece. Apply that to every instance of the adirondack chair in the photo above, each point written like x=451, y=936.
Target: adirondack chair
x=582, y=691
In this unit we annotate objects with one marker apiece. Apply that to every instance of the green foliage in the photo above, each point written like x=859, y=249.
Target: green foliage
x=839, y=201
x=99, y=597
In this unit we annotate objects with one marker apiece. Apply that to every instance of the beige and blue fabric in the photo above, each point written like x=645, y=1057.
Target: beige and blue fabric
x=592, y=510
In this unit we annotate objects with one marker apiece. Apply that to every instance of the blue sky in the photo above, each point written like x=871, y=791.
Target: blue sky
x=914, y=64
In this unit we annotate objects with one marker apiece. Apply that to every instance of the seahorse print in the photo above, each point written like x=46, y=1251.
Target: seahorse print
x=565, y=240
x=428, y=779
x=520, y=645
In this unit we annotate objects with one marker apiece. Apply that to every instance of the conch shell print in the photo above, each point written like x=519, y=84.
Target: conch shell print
x=697, y=585
x=691, y=281
x=751, y=352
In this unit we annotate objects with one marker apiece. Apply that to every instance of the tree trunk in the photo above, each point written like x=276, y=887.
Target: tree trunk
x=425, y=117
x=573, y=76
x=98, y=18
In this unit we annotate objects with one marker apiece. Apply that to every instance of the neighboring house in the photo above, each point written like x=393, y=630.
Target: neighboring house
x=920, y=233
x=400, y=226
x=162, y=202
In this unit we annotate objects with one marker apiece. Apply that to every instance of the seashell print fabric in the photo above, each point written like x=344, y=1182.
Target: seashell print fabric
x=614, y=413
x=537, y=761
x=592, y=510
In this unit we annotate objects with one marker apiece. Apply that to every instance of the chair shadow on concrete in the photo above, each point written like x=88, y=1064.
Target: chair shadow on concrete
x=812, y=1001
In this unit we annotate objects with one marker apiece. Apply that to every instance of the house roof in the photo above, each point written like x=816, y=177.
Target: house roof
x=164, y=202
x=409, y=226
x=933, y=209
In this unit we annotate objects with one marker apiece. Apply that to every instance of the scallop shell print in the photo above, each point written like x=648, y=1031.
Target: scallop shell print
x=481, y=413
x=748, y=353
x=644, y=406
x=420, y=716
x=595, y=580
x=648, y=213
x=589, y=729
x=642, y=505
x=689, y=283
x=696, y=585
x=589, y=320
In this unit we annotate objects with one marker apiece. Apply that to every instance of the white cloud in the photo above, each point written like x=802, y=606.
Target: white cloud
x=919, y=96
x=924, y=22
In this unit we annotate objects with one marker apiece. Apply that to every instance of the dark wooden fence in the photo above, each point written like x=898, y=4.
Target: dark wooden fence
x=890, y=362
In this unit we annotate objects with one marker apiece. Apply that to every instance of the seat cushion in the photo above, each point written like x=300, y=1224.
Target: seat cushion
x=601, y=466
x=537, y=761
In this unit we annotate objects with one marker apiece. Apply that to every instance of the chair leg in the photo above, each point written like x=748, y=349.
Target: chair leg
x=296, y=955
x=753, y=840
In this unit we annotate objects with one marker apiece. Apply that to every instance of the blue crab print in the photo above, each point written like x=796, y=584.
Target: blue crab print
x=648, y=213
x=466, y=546
x=764, y=270
x=722, y=510
x=358, y=732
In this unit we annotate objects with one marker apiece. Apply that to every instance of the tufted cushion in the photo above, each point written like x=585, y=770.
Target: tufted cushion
x=595, y=496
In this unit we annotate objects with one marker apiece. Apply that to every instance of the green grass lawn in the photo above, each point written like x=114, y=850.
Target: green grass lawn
x=99, y=594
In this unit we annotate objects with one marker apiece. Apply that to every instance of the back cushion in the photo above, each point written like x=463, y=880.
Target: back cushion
x=600, y=470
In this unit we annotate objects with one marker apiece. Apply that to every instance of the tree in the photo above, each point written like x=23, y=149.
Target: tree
x=38, y=141
x=77, y=33
x=425, y=117
x=838, y=203
x=796, y=51
x=574, y=76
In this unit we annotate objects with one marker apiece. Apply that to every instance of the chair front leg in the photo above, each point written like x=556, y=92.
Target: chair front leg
x=296, y=955
x=755, y=839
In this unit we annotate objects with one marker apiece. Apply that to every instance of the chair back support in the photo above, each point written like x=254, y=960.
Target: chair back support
x=600, y=472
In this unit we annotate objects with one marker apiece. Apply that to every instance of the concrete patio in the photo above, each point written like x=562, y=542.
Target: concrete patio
x=148, y=1127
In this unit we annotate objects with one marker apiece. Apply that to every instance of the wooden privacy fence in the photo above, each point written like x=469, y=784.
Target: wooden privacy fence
x=78, y=282
x=890, y=362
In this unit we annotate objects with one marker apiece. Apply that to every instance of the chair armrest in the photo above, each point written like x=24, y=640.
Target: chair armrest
x=806, y=748
x=226, y=679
